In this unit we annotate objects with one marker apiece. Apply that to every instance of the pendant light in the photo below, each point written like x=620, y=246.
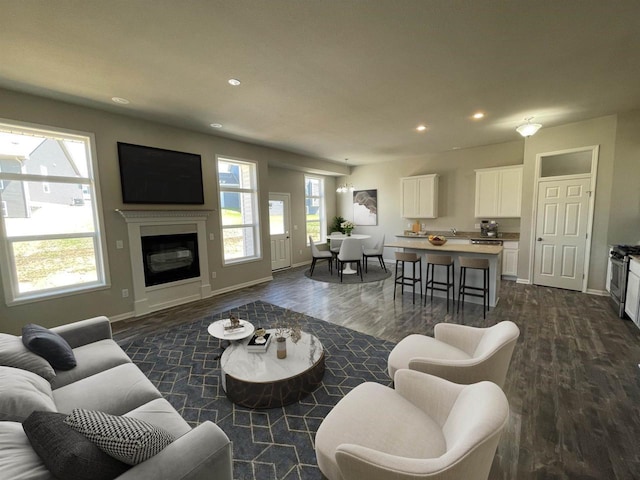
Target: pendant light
x=345, y=187
x=528, y=129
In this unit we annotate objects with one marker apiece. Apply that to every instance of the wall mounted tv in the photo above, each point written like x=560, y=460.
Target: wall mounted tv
x=154, y=175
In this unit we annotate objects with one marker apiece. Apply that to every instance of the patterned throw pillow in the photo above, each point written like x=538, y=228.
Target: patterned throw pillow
x=130, y=440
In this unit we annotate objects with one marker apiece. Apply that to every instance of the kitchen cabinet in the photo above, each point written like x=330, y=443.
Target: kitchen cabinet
x=499, y=192
x=510, y=259
x=420, y=196
x=632, y=302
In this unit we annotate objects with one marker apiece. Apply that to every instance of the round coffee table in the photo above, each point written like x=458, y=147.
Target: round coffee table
x=261, y=380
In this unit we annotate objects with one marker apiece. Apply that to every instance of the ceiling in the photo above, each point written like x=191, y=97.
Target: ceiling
x=332, y=79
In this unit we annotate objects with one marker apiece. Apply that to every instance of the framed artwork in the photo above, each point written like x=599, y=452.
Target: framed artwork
x=365, y=207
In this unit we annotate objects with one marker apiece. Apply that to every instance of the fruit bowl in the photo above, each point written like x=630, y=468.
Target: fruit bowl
x=437, y=240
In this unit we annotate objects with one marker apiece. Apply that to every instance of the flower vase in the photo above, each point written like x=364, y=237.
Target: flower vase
x=281, y=343
x=348, y=233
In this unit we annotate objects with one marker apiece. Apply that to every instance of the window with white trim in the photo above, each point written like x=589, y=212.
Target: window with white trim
x=51, y=231
x=316, y=221
x=239, y=217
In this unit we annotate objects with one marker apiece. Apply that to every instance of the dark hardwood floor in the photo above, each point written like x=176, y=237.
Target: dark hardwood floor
x=573, y=385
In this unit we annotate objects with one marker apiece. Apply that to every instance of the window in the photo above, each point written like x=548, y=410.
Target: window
x=314, y=209
x=52, y=239
x=239, y=217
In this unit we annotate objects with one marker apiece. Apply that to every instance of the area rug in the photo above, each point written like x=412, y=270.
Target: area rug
x=276, y=443
x=321, y=274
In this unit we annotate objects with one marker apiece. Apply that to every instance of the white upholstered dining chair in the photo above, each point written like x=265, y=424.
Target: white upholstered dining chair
x=317, y=254
x=425, y=428
x=350, y=252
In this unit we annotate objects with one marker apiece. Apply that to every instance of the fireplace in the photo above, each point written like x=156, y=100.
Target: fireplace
x=169, y=258
x=169, y=262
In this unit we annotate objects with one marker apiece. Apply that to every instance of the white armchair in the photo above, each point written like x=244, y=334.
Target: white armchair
x=459, y=353
x=427, y=427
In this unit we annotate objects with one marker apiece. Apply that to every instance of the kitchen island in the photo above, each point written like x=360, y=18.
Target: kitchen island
x=493, y=253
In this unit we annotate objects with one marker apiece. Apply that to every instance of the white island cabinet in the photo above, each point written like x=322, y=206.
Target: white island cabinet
x=420, y=196
x=632, y=302
x=510, y=259
x=498, y=192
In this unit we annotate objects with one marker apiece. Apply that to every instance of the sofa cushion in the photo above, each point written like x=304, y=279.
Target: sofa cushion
x=116, y=391
x=22, y=392
x=67, y=453
x=128, y=439
x=14, y=354
x=48, y=345
x=92, y=358
x=160, y=412
x=18, y=460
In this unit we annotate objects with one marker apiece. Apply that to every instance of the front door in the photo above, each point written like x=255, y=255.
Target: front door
x=561, y=233
x=279, y=228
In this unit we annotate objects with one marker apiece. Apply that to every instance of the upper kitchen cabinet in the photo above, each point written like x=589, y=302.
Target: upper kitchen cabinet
x=420, y=196
x=499, y=192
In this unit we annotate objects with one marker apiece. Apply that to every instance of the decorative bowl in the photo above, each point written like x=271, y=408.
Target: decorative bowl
x=437, y=241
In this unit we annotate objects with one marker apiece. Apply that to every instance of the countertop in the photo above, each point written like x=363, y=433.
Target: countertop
x=420, y=244
x=505, y=236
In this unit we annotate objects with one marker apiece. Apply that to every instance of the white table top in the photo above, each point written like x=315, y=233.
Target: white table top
x=359, y=236
x=266, y=367
x=216, y=329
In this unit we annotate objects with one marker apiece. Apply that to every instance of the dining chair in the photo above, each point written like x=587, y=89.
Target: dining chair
x=376, y=252
x=350, y=252
x=334, y=244
x=316, y=254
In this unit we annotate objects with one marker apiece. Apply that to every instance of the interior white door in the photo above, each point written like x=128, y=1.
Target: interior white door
x=561, y=230
x=279, y=230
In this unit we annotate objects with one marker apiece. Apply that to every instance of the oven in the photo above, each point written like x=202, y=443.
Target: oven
x=619, y=258
x=618, y=285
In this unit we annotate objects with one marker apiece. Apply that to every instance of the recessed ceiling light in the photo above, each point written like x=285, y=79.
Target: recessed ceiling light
x=120, y=100
x=478, y=115
x=233, y=81
x=216, y=125
x=421, y=128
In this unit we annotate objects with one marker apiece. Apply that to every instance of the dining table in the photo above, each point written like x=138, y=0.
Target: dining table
x=358, y=236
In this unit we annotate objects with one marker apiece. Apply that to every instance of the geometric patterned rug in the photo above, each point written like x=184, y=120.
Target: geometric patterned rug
x=276, y=443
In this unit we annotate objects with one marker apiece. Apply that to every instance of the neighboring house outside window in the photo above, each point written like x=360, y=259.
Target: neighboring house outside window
x=52, y=237
x=239, y=217
x=316, y=221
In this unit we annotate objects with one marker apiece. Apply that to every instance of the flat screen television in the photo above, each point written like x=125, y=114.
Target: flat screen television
x=154, y=175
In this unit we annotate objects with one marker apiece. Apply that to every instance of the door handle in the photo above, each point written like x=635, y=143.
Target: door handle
x=539, y=239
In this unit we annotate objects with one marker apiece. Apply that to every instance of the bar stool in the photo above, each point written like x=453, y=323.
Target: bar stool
x=478, y=264
x=402, y=279
x=450, y=284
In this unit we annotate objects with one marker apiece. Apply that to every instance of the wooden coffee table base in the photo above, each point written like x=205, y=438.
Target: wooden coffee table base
x=277, y=393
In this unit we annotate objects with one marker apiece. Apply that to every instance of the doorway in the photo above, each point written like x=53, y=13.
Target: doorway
x=563, y=217
x=279, y=230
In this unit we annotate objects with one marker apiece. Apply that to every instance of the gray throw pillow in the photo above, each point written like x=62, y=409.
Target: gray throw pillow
x=67, y=453
x=49, y=345
x=14, y=354
x=128, y=439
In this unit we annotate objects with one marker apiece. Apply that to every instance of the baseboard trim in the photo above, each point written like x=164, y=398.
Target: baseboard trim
x=241, y=285
x=601, y=293
x=523, y=281
x=301, y=264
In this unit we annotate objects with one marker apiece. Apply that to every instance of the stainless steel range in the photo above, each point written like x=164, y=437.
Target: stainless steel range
x=619, y=257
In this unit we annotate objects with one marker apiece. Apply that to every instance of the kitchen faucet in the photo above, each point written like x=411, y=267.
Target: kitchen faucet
x=454, y=231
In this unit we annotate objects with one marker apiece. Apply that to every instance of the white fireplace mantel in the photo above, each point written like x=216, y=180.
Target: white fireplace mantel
x=157, y=297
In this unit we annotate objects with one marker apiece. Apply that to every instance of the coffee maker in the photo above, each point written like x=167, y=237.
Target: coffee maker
x=488, y=228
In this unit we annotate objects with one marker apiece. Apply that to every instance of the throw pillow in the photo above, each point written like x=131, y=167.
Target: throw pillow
x=49, y=345
x=67, y=453
x=21, y=393
x=130, y=440
x=14, y=354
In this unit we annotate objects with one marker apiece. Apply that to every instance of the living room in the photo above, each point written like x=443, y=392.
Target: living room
x=616, y=213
